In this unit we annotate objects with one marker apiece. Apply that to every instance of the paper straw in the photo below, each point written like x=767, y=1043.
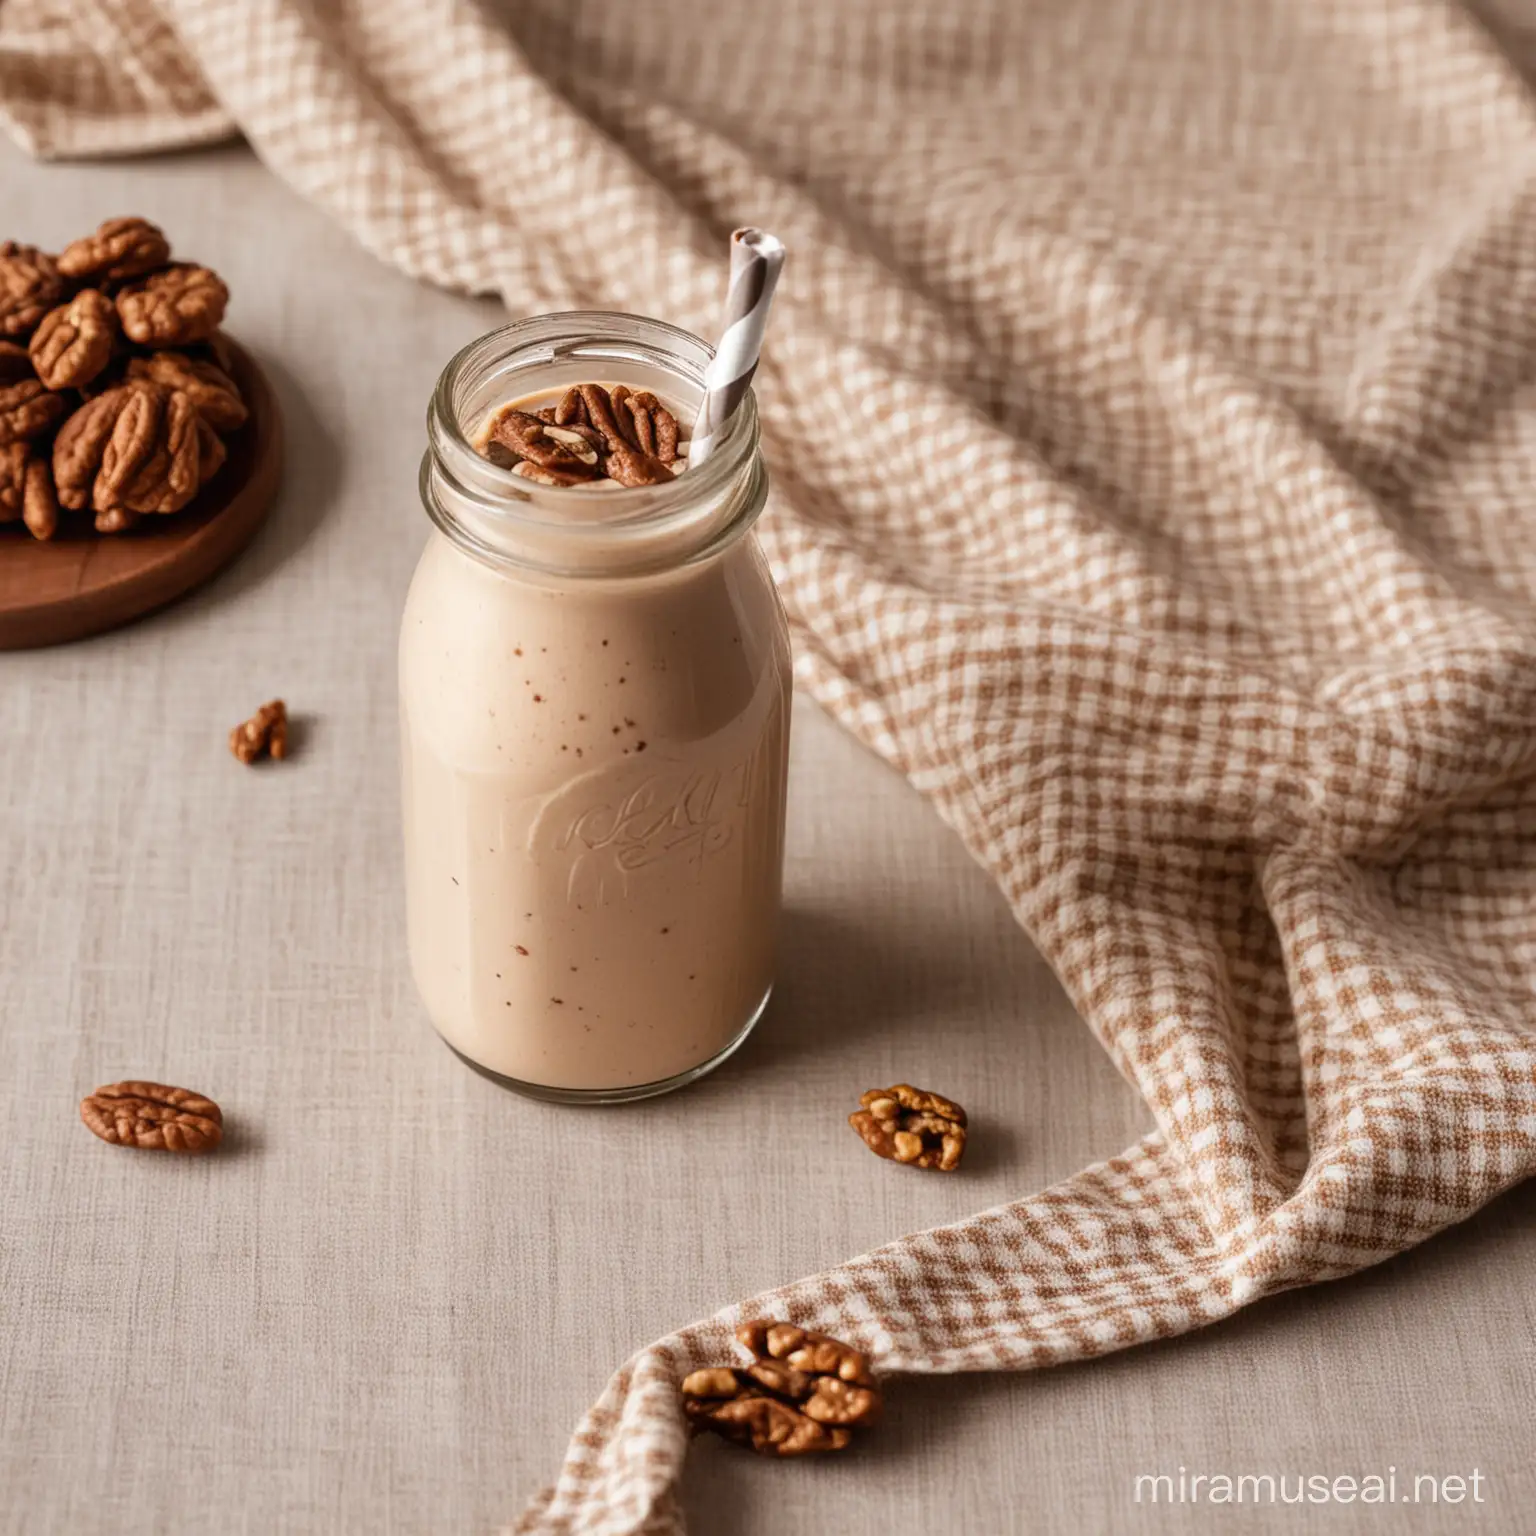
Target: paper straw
x=756, y=257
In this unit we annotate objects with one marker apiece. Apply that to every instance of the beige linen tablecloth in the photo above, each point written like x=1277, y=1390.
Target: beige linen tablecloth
x=1152, y=423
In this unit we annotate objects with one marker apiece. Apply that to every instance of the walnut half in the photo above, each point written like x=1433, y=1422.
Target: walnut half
x=134, y=448
x=154, y=1117
x=30, y=285
x=910, y=1125
x=120, y=248
x=29, y=409
x=26, y=490
x=182, y=304
x=209, y=387
x=73, y=343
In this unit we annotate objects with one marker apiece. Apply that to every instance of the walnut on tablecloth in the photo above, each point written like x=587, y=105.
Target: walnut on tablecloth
x=153, y=1117
x=910, y=1125
x=265, y=732
x=803, y=1394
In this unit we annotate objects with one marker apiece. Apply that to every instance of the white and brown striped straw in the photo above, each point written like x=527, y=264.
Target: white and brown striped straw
x=756, y=257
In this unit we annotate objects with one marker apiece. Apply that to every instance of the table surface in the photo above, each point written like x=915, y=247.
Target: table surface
x=386, y=1303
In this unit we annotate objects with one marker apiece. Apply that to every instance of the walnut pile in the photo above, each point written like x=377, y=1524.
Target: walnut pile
x=594, y=433
x=803, y=1393
x=909, y=1125
x=154, y=1117
x=265, y=732
x=115, y=393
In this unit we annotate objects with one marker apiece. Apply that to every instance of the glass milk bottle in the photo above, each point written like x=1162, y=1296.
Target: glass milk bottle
x=594, y=701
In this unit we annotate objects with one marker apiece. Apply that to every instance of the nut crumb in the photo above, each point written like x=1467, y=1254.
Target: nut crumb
x=266, y=731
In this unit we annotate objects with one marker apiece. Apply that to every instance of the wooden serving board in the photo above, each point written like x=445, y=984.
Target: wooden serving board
x=80, y=583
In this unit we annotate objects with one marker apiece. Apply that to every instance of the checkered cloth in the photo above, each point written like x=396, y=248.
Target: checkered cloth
x=1152, y=409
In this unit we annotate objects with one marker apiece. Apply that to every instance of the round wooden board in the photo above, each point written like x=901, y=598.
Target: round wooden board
x=81, y=583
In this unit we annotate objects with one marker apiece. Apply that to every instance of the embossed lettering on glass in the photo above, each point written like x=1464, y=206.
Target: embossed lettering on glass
x=594, y=701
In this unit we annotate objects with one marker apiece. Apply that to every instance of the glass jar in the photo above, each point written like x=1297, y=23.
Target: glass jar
x=594, y=703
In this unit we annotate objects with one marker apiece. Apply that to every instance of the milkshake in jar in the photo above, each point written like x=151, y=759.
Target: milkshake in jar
x=594, y=699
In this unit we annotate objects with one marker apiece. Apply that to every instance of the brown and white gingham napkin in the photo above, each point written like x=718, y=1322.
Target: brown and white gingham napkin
x=1153, y=417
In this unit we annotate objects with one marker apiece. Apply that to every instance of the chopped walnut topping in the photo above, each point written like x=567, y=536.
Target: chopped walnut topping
x=643, y=422
x=581, y=441
x=592, y=434
x=632, y=467
x=908, y=1125
x=543, y=446
x=526, y=469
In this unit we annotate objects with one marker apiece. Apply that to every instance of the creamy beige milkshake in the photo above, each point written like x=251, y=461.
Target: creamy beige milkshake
x=594, y=711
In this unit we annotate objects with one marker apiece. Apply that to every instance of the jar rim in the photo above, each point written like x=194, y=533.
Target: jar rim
x=500, y=517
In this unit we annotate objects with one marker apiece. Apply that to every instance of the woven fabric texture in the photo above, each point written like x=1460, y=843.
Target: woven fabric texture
x=1152, y=405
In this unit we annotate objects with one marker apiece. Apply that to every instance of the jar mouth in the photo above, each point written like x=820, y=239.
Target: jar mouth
x=504, y=519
